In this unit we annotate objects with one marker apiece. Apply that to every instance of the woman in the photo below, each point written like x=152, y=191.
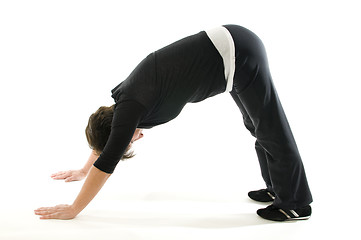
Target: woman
x=225, y=59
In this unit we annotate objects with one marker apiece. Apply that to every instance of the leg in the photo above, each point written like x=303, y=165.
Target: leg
x=263, y=161
x=274, y=135
x=260, y=102
x=261, y=153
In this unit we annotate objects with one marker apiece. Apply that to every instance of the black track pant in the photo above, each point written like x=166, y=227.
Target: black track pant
x=263, y=115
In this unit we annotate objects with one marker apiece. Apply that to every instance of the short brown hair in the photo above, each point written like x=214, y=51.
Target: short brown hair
x=98, y=130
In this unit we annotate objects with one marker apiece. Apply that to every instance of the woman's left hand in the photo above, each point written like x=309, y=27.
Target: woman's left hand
x=62, y=211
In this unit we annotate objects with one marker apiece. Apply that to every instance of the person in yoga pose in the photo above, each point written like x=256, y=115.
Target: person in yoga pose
x=228, y=58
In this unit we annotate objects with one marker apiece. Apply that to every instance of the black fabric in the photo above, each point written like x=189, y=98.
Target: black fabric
x=125, y=120
x=281, y=165
x=189, y=70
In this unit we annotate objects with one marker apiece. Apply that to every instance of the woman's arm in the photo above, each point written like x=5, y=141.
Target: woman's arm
x=121, y=134
x=92, y=185
x=77, y=175
x=92, y=158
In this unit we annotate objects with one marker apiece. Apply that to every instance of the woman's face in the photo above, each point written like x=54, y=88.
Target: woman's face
x=137, y=135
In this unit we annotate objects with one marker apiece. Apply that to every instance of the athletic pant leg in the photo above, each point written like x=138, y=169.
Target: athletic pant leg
x=254, y=88
x=261, y=153
x=263, y=162
x=274, y=135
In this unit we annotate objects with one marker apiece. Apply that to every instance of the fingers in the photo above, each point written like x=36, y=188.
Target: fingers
x=61, y=175
x=69, y=179
x=68, y=176
x=58, y=212
x=46, y=212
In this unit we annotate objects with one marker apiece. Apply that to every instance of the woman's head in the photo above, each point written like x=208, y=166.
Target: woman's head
x=98, y=130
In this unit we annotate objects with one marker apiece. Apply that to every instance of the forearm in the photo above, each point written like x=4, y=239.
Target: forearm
x=92, y=158
x=92, y=185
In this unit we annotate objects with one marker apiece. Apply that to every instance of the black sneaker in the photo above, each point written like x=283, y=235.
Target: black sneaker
x=262, y=195
x=277, y=214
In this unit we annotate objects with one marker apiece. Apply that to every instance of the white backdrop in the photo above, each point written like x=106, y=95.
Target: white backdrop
x=60, y=59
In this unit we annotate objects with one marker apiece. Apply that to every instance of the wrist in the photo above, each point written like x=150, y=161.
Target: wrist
x=84, y=171
x=75, y=210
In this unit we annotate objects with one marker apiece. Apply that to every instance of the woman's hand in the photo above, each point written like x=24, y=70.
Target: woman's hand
x=69, y=176
x=63, y=212
x=92, y=185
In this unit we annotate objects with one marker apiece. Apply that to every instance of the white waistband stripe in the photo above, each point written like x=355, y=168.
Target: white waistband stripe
x=223, y=41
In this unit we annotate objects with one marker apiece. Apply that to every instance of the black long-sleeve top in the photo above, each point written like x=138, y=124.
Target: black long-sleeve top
x=189, y=70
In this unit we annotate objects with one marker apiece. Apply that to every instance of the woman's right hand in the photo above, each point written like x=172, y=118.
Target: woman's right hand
x=69, y=176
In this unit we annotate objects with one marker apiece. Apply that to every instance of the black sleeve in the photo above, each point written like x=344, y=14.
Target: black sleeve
x=127, y=116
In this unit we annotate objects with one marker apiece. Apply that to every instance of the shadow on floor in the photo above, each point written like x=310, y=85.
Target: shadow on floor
x=175, y=220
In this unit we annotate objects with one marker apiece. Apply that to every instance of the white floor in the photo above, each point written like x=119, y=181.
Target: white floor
x=167, y=216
